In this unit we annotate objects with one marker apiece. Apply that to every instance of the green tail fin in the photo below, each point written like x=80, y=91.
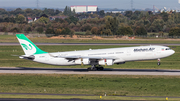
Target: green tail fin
x=28, y=47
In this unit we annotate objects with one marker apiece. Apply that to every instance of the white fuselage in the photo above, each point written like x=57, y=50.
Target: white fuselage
x=118, y=55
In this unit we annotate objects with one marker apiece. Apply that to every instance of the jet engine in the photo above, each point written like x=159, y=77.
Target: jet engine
x=82, y=61
x=107, y=62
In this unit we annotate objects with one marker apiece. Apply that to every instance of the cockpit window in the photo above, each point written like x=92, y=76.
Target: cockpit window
x=168, y=49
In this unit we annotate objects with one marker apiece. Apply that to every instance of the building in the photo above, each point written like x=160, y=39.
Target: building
x=36, y=18
x=84, y=8
x=79, y=9
x=29, y=19
x=92, y=8
x=54, y=17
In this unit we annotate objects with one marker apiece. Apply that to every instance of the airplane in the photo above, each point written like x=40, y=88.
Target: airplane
x=96, y=58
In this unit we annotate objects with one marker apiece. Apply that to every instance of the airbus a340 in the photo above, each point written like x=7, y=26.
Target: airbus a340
x=96, y=58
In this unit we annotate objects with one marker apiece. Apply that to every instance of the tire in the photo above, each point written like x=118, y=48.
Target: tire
x=101, y=68
x=89, y=69
x=158, y=63
x=94, y=69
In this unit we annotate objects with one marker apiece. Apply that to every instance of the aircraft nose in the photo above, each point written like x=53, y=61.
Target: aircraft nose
x=172, y=52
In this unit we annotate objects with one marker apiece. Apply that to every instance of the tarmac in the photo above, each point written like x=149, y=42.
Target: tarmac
x=106, y=71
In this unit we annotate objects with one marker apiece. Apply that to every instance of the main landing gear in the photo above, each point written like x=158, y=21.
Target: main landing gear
x=159, y=62
x=95, y=68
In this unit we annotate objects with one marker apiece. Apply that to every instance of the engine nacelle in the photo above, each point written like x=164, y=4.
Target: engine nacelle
x=107, y=62
x=82, y=61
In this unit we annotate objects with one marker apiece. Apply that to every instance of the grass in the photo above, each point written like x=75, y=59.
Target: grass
x=7, y=60
x=112, y=85
x=82, y=33
x=157, y=33
x=85, y=97
x=12, y=38
x=88, y=84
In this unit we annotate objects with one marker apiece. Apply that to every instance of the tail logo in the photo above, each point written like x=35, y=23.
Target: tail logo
x=27, y=47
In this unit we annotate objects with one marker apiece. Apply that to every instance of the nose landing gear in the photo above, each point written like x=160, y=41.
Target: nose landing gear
x=159, y=62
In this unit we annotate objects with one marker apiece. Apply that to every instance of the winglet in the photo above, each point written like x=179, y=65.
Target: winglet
x=28, y=47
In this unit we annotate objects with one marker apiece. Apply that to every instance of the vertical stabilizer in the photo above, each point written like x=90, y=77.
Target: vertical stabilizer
x=28, y=47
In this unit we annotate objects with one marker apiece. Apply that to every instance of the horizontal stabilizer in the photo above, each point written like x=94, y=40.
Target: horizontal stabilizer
x=29, y=57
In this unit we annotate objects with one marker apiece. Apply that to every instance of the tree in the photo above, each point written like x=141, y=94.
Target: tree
x=135, y=15
x=140, y=31
x=58, y=32
x=18, y=11
x=9, y=19
x=20, y=19
x=40, y=30
x=28, y=10
x=28, y=29
x=60, y=20
x=128, y=13
x=71, y=19
x=57, y=12
x=3, y=11
x=43, y=20
x=49, y=31
x=88, y=32
x=66, y=31
x=67, y=11
x=124, y=30
x=1, y=20
x=15, y=30
x=107, y=32
x=72, y=25
x=3, y=29
x=112, y=24
x=94, y=30
x=164, y=16
x=101, y=13
x=157, y=25
x=175, y=31
x=85, y=27
x=140, y=23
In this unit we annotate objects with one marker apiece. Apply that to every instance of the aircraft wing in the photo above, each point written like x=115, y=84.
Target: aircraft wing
x=78, y=57
x=90, y=57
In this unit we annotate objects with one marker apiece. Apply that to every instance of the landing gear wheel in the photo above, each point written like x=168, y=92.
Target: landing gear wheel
x=158, y=63
x=89, y=69
x=94, y=69
x=101, y=68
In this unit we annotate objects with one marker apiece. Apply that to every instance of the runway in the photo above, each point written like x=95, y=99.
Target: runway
x=106, y=71
x=121, y=44
x=30, y=99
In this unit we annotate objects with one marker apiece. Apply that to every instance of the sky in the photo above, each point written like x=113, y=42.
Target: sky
x=120, y=4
